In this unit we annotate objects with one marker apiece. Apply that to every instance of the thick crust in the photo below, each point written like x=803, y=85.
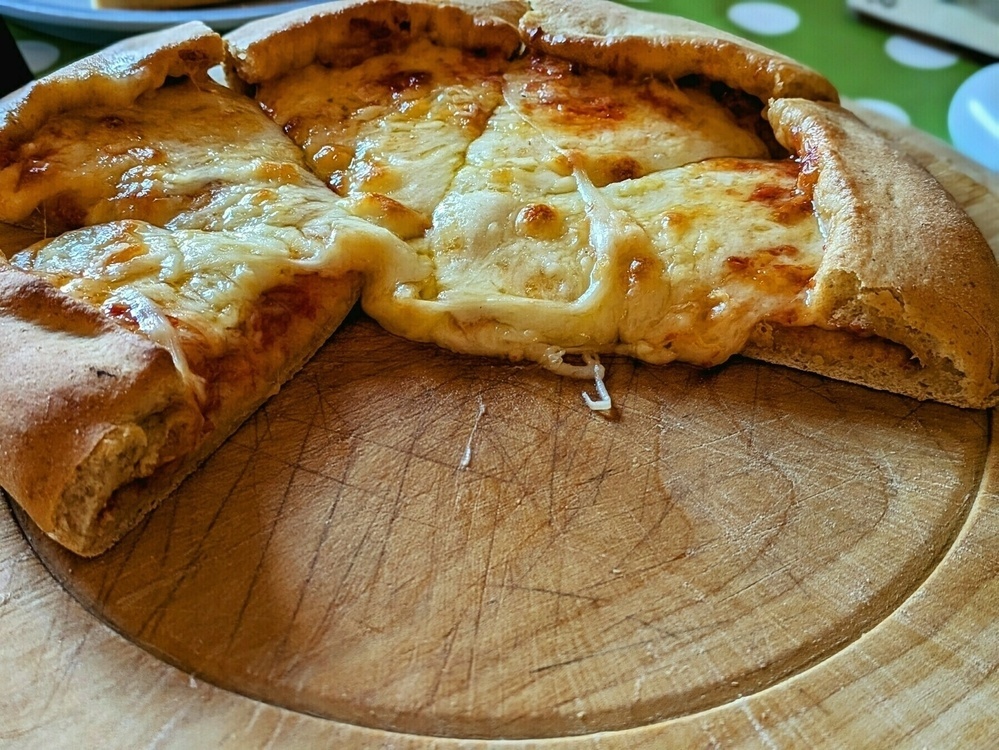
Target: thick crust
x=611, y=37
x=332, y=33
x=98, y=424
x=599, y=33
x=114, y=77
x=85, y=406
x=902, y=262
x=305, y=337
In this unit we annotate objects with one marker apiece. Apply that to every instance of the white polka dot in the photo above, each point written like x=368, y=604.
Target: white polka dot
x=764, y=18
x=914, y=54
x=38, y=55
x=973, y=117
x=217, y=74
x=886, y=108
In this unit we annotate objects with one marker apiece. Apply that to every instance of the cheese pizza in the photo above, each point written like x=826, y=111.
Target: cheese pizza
x=179, y=280
x=534, y=181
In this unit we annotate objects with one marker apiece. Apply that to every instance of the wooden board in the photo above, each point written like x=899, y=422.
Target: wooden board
x=412, y=549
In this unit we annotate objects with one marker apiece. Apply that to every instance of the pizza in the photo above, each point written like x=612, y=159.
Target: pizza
x=537, y=181
x=176, y=284
x=629, y=183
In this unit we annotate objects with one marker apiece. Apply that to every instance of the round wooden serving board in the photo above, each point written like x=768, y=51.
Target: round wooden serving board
x=413, y=549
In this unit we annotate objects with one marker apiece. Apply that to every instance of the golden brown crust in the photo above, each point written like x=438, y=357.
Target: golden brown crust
x=93, y=442
x=609, y=36
x=332, y=33
x=304, y=337
x=88, y=406
x=902, y=262
x=114, y=77
x=82, y=400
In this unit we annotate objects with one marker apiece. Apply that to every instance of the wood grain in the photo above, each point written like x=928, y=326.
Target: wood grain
x=410, y=549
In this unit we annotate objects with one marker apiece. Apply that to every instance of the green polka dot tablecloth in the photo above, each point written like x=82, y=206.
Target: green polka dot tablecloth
x=944, y=89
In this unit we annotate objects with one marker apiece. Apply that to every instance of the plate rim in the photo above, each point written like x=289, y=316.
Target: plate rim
x=54, y=15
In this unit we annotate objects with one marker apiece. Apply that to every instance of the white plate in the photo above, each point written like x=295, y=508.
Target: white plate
x=79, y=21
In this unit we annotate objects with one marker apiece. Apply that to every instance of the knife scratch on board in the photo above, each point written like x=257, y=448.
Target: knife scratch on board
x=466, y=458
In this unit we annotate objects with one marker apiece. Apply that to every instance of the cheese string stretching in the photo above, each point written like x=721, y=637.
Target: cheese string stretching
x=603, y=402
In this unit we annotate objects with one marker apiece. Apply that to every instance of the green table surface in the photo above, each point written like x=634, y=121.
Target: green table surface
x=909, y=77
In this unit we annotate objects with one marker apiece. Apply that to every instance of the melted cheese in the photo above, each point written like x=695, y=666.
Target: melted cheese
x=208, y=279
x=88, y=167
x=678, y=265
x=396, y=125
x=618, y=131
x=232, y=216
x=503, y=214
x=532, y=210
x=581, y=214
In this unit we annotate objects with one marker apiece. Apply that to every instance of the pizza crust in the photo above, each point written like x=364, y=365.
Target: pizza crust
x=925, y=278
x=611, y=37
x=113, y=77
x=339, y=33
x=597, y=33
x=100, y=422
x=86, y=406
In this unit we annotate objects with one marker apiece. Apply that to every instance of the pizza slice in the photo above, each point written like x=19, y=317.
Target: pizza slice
x=630, y=183
x=188, y=264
